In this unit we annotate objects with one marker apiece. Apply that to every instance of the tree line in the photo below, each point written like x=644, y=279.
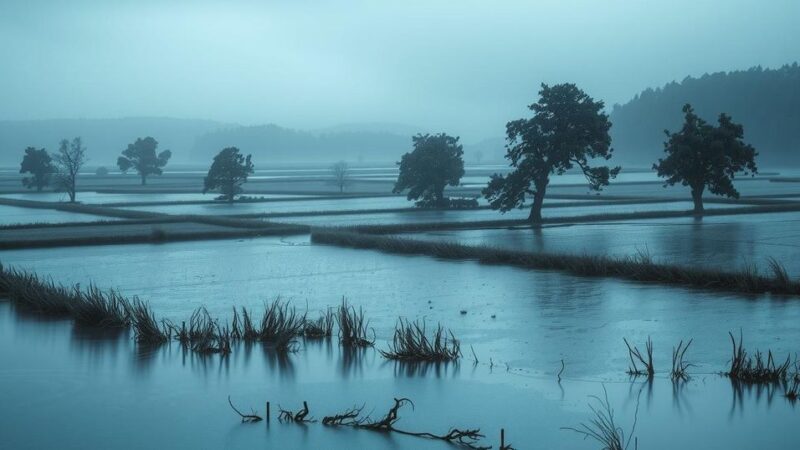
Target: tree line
x=568, y=130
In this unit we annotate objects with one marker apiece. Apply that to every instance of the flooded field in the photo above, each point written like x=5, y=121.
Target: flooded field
x=715, y=241
x=12, y=215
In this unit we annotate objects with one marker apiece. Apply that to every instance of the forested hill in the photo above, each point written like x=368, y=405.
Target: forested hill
x=765, y=101
x=278, y=144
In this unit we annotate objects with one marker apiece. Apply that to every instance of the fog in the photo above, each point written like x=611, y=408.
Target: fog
x=465, y=67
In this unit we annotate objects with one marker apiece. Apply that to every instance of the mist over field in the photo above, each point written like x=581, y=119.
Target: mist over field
x=389, y=225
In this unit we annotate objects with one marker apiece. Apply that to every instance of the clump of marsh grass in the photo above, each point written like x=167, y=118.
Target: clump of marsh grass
x=353, y=327
x=96, y=308
x=281, y=325
x=146, y=328
x=793, y=388
x=322, y=327
x=29, y=291
x=204, y=334
x=679, y=366
x=646, y=362
x=779, y=273
x=244, y=329
x=411, y=343
x=755, y=369
x=603, y=427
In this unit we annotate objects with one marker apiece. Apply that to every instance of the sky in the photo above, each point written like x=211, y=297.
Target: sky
x=464, y=67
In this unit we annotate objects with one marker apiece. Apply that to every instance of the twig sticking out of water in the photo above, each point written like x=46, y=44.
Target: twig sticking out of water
x=246, y=418
x=560, y=371
x=295, y=417
x=635, y=355
x=679, y=366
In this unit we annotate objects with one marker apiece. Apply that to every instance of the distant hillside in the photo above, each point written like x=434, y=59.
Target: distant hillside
x=281, y=145
x=765, y=101
x=104, y=138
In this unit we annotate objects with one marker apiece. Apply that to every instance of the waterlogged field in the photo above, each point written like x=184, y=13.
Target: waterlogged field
x=425, y=216
x=99, y=198
x=111, y=394
x=12, y=215
x=726, y=242
x=539, y=319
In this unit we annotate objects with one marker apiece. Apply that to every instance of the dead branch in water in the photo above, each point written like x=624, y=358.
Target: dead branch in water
x=246, y=418
x=296, y=417
x=466, y=438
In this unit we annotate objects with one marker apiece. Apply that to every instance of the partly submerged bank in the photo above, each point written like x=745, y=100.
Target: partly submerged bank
x=637, y=267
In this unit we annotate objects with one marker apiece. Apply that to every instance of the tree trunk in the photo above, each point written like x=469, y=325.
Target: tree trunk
x=144, y=180
x=440, y=196
x=697, y=198
x=538, y=201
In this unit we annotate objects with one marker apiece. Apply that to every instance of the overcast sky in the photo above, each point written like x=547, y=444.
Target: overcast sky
x=465, y=67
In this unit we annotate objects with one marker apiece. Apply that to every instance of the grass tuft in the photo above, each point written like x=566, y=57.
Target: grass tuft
x=353, y=327
x=411, y=343
x=755, y=369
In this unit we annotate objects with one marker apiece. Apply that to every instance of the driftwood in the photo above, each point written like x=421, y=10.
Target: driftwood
x=246, y=418
x=300, y=416
x=466, y=438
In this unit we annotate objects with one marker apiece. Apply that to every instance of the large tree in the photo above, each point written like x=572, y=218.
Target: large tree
x=228, y=172
x=568, y=129
x=39, y=164
x=70, y=158
x=141, y=156
x=701, y=155
x=436, y=162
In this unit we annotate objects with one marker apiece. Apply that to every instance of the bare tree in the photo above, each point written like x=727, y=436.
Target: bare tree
x=70, y=158
x=341, y=175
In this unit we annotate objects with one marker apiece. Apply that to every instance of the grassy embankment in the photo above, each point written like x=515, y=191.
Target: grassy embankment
x=636, y=268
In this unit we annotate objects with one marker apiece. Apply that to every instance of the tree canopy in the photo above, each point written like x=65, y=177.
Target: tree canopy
x=141, y=156
x=436, y=162
x=701, y=155
x=568, y=129
x=228, y=172
x=39, y=164
x=70, y=158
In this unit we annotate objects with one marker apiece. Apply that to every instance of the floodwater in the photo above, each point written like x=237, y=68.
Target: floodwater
x=99, y=198
x=432, y=216
x=540, y=317
x=11, y=215
x=105, y=392
x=726, y=242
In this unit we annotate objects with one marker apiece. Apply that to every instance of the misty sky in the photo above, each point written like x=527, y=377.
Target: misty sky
x=465, y=67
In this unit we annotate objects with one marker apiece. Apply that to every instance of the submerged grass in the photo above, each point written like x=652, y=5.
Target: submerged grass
x=322, y=327
x=411, y=343
x=755, y=369
x=638, y=267
x=353, y=327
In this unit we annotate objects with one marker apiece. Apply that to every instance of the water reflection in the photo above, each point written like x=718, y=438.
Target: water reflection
x=424, y=369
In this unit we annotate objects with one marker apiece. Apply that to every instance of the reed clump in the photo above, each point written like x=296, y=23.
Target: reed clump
x=645, y=362
x=322, y=327
x=680, y=367
x=281, y=325
x=353, y=327
x=753, y=369
x=411, y=343
x=146, y=328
